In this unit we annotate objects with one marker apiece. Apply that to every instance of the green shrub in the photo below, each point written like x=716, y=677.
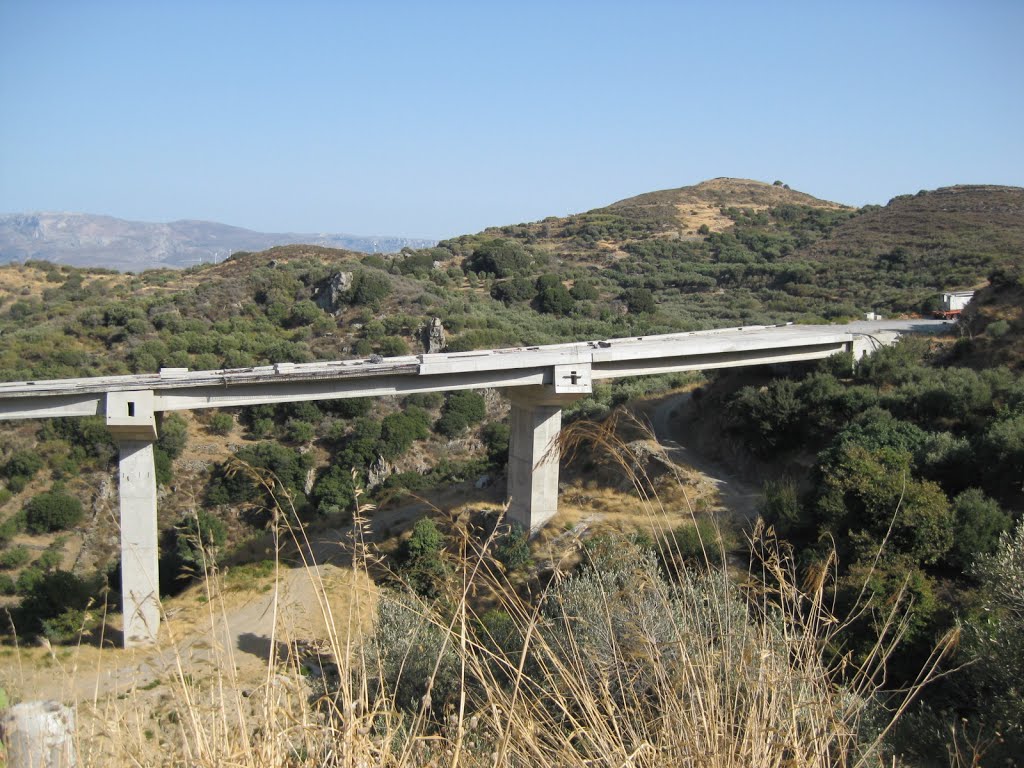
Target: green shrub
x=584, y=290
x=639, y=300
x=7, y=585
x=993, y=648
x=22, y=464
x=173, y=430
x=52, y=511
x=413, y=656
x=28, y=579
x=304, y=312
x=197, y=539
x=496, y=439
x=233, y=485
x=781, y=507
x=423, y=566
x=262, y=427
x=426, y=400
x=299, y=431
x=369, y=288
x=694, y=546
x=461, y=410
x=393, y=346
x=12, y=526
x=52, y=556
x=399, y=430
x=552, y=296
x=501, y=258
x=334, y=491
x=513, y=548
x=15, y=557
x=55, y=603
x=349, y=407
x=979, y=524
x=163, y=465
x=998, y=329
x=515, y=290
x=221, y=423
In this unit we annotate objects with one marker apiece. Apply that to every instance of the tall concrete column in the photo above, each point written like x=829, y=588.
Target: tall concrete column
x=533, y=454
x=140, y=574
x=131, y=420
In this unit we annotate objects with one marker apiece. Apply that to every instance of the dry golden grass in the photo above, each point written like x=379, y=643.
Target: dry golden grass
x=693, y=215
x=21, y=281
x=611, y=665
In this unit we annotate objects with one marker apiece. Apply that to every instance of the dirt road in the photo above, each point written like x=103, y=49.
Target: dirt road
x=739, y=498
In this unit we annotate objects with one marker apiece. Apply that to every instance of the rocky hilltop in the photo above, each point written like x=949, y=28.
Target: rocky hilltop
x=87, y=240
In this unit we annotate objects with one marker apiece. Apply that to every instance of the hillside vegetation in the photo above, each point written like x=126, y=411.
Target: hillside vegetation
x=932, y=434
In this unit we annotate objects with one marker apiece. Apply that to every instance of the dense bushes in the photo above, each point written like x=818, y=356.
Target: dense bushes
x=57, y=604
x=52, y=511
x=369, y=287
x=197, y=539
x=422, y=563
x=233, y=482
x=20, y=468
x=914, y=462
x=461, y=410
x=502, y=258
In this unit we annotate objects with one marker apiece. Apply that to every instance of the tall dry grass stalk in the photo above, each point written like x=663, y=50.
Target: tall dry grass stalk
x=611, y=664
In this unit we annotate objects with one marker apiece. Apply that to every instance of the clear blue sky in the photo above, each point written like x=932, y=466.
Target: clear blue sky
x=440, y=118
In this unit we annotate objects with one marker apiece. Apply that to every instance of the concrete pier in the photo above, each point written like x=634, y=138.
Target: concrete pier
x=140, y=574
x=534, y=426
x=132, y=422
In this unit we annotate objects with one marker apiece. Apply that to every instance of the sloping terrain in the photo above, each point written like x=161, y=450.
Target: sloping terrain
x=946, y=239
x=703, y=203
x=725, y=252
x=769, y=254
x=993, y=323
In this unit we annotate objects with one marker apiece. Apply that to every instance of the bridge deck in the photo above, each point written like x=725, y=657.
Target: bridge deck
x=559, y=372
x=177, y=389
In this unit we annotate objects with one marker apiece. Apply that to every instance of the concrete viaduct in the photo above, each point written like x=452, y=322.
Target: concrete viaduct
x=537, y=380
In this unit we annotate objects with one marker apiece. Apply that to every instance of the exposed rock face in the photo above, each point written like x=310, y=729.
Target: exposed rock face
x=378, y=472
x=433, y=336
x=330, y=296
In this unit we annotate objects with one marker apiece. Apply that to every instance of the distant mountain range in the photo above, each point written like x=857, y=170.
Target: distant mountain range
x=86, y=240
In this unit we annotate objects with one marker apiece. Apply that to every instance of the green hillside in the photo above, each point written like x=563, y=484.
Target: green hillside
x=761, y=254
x=932, y=431
x=950, y=238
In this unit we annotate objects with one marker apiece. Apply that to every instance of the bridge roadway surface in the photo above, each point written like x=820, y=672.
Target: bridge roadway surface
x=179, y=389
x=538, y=381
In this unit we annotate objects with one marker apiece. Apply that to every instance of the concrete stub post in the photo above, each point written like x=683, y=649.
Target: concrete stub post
x=535, y=423
x=39, y=734
x=131, y=420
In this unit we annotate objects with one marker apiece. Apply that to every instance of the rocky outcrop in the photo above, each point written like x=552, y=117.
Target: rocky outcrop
x=433, y=336
x=330, y=297
x=378, y=472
